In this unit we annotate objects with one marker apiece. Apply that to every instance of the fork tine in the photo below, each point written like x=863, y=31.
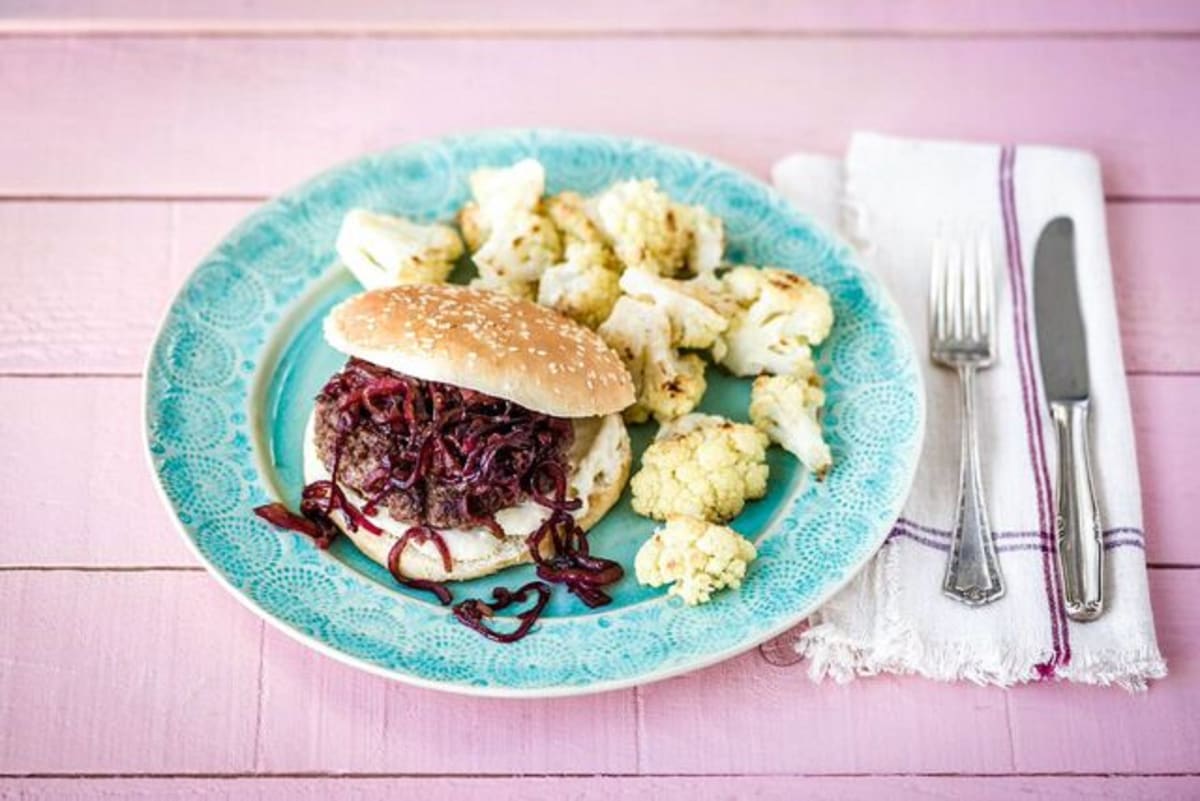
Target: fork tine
x=970, y=292
x=937, y=290
x=953, y=290
x=987, y=288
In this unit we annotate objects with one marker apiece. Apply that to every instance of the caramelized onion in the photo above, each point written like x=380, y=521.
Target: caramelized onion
x=420, y=534
x=472, y=612
x=479, y=453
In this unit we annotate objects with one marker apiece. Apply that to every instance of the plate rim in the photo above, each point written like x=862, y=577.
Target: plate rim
x=700, y=661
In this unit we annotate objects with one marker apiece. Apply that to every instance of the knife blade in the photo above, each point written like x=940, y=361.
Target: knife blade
x=1061, y=343
x=1062, y=352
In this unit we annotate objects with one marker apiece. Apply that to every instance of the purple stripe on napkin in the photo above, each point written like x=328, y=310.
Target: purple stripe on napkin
x=1114, y=538
x=1128, y=532
x=1033, y=429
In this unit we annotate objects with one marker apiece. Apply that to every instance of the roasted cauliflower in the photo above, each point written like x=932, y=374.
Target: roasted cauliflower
x=779, y=316
x=787, y=409
x=568, y=211
x=696, y=557
x=511, y=238
x=701, y=466
x=582, y=287
x=643, y=226
x=500, y=192
x=668, y=384
x=471, y=225
x=382, y=250
x=519, y=249
x=694, y=324
x=706, y=245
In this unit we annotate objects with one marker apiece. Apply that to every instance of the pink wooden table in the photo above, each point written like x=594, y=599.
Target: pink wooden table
x=131, y=139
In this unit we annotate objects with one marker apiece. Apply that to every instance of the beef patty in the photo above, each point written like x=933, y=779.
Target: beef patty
x=367, y=452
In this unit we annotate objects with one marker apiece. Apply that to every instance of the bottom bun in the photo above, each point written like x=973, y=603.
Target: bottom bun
x=600, y=462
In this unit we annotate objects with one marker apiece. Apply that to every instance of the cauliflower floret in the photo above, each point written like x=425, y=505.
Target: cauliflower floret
x=668, y=384
x=519, y=248
x=581, y=287
x=568, y=211
x=780, y=292
x=696, y=557
x=471, y=224
x=382, y=250
x=787, y=408
x=689, y=423
x=502, y=191
x=707, y=243
x=780, y=315
x=510, y=236
x=694, y=324
x=705, y=470
x=643, y=226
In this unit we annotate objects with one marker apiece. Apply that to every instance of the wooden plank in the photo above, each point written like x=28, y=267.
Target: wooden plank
x=291, y=107
x=85, y=689
x=1165, y=424
x=611, y=788
x=125, y=673
x=87, y=499
x=773, y=720
x=81, y=494
x=90, y=302
x=87, y=300
x=1073, y=728
x=1157, y=283
x=873, y=17
x=353, y=722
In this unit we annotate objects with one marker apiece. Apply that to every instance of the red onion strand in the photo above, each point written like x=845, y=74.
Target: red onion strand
x=472, y=612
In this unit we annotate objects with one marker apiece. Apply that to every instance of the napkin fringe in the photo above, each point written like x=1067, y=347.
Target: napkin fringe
x=1129, y=670
x=836, y=654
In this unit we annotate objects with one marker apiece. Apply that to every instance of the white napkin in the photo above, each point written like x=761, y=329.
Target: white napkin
x=890, y=198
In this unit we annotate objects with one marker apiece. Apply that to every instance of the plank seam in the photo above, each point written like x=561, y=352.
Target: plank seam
x=67, y=375
x=102, y=568
x=638, y=728
x=596, y=775
x=1163, y=373
x=90, y=30
x=258, y=711
x=1008, y=728
x=132, y=198
x=1133, y=200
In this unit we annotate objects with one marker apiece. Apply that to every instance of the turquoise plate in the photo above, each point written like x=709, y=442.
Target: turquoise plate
x=239, y=357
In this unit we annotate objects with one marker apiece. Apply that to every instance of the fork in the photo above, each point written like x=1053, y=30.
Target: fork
x=961, y=334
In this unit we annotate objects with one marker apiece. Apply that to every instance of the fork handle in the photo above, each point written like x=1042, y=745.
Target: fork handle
x=973, y=571
x=1077, y=522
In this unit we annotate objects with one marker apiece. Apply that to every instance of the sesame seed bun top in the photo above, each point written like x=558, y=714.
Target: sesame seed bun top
x=491, y=343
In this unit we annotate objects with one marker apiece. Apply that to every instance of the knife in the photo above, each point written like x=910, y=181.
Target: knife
x=1062, y=349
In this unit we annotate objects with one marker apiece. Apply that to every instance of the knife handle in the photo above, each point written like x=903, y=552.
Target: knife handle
x=1077, y=522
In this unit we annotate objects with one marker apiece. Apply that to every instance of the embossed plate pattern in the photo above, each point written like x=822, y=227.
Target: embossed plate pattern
x=239, y=356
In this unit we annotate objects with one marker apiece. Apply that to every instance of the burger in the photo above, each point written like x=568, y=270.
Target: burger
x=468, y=431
